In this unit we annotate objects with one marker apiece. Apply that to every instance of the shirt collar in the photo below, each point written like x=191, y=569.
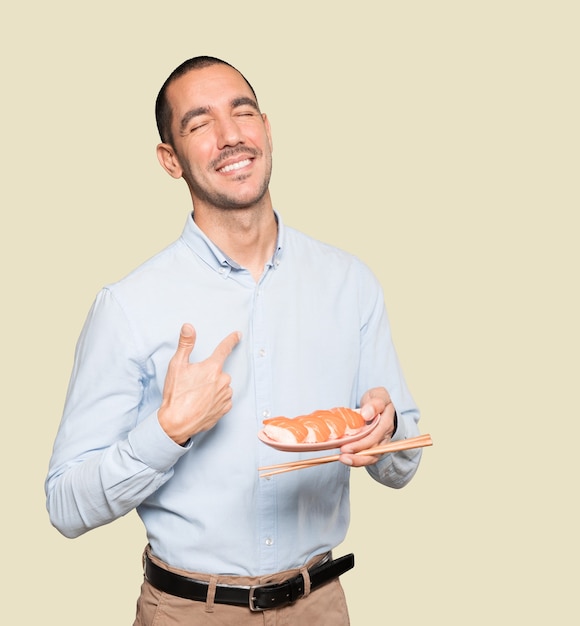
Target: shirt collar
x=218, y=260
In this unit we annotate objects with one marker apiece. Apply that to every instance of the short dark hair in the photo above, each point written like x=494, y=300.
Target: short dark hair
x=163, y=112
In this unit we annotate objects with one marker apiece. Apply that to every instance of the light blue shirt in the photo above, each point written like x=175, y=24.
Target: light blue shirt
x=315, y=334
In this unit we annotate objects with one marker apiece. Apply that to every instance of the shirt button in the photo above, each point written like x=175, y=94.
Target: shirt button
x=265, y=413
x=269, y=541
x=262, y=352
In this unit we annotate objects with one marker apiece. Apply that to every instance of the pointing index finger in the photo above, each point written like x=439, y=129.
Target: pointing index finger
x=225, y=347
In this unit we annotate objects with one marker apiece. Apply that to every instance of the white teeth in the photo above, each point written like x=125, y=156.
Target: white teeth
x=235, y=166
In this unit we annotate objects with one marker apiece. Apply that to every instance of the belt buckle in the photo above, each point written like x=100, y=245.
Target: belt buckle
x=252, y=599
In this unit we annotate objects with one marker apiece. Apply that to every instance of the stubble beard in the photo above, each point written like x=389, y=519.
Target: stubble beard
x=223, y=200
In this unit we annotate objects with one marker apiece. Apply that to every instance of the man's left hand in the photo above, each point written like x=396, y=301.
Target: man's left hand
x=375, y=402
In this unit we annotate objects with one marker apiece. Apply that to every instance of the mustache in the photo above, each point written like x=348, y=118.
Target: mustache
x=234, y=151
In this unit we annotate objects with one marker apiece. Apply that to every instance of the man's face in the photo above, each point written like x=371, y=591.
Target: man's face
x=221, y=140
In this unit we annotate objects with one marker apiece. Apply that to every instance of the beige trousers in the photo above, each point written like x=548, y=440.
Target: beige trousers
x=325, y=606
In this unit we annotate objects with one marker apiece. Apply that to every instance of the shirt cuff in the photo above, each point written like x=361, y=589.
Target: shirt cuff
x=153, y=447
x=401, y=431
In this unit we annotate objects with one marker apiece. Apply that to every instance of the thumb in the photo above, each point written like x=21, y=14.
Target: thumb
x=368, y=412
x=186, y=343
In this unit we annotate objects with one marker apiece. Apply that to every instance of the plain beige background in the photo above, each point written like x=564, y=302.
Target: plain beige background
x=439, y=141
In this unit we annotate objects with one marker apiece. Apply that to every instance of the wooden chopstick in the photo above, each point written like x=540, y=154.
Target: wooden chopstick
x=382, y=449
x=393, y=446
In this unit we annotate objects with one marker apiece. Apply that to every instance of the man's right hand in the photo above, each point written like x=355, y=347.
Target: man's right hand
x=195, y=395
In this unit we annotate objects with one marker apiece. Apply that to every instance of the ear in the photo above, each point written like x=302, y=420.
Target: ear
x=169, y=161
x=268, y=131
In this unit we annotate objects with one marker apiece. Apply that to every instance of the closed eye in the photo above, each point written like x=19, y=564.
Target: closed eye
x=197, y=126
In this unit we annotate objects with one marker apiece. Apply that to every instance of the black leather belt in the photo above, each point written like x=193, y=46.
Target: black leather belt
x=257, y=598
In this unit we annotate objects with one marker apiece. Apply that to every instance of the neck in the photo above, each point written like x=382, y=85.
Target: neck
x=248, y=236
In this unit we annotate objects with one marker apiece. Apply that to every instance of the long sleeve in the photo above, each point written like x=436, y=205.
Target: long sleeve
x=396, y=470
x=110, y=452
x=380, y=367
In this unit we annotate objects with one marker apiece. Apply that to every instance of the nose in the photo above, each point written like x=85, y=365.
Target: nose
x=228, y=133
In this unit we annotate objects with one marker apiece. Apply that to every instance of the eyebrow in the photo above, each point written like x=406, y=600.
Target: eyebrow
x=198, y=111
x=245, y=101
x=190, y=115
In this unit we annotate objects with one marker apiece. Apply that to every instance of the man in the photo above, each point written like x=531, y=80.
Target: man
x=272, y=323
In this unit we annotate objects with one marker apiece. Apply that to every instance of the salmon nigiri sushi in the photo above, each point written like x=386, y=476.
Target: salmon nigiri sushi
x=335, y=422
x=285, y=430
x=317, y=427
x=318, y=430
x=354, y=420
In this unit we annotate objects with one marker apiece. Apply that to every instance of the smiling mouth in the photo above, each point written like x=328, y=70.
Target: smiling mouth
x=235, y=166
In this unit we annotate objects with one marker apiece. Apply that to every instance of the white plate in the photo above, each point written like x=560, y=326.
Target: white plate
x=323, y=445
